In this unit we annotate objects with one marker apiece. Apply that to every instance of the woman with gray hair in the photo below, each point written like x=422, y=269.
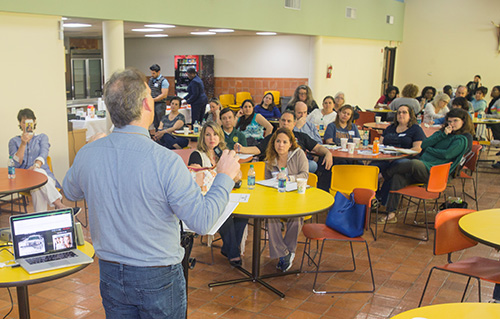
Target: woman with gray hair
x=437, y=108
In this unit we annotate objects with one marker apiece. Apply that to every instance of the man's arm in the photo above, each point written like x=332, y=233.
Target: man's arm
x=164, y=91
x=327, y=156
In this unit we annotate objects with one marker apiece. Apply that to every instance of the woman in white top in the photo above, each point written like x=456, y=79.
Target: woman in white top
x=339, y=101
x=324, y=116
x=437, y=108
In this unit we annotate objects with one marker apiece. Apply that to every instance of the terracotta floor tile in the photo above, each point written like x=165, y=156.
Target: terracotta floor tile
x=238, y=313
x=299, y=314
x=276, y=311
x=313, y=307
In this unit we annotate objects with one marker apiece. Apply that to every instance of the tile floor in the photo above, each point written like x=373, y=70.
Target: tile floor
x=400, y=265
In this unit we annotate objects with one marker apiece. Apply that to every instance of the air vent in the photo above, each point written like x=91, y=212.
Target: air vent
x=389, y=19
x=350, y=13
x=292, y=4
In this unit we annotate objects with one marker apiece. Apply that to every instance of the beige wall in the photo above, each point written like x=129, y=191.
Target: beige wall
x=357, y=69
x=32, y=67
x=447, y=42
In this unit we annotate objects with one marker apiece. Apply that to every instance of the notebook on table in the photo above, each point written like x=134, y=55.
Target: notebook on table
x=46, y=241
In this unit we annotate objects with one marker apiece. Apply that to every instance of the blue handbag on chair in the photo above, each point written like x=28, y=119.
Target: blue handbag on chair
x=346, y=217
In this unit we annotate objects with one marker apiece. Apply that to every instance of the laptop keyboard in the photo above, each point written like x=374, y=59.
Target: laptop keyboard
x=44, y=259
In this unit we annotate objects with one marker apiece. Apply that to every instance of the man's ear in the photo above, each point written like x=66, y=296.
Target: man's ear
x=147, y=107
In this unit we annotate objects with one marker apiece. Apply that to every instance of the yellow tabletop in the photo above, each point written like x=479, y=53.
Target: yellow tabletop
x=466, y=310
x=482, y=226
x=190, y=134
x=13, y=277
x=266, y=202
x=380, y=110
x=485, y=121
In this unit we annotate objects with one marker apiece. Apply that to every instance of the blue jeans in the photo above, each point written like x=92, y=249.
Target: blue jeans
x=232, y=232
x=142, y=292
x=169, y=141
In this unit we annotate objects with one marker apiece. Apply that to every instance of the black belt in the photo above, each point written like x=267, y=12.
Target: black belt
x=117, y=263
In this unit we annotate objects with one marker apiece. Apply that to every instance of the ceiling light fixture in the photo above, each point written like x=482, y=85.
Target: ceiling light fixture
x=266, y=33
x=203, y=33
x=76, y=25
x=64, y=18
x=160, y=26
x=221, y=30
x=147, y=30
x=156, y=35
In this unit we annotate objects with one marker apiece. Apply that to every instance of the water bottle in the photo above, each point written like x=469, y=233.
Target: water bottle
x=196, y=127
x=251, y=178
x=282, y=181
x=366, y=136
x=376, y=144
x=12, y=168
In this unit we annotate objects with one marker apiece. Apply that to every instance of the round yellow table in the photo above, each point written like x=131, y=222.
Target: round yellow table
x=485, y=121
x=466, y=310
x=19, y=278
x=482, y=226
x=190, y=134
x=267, y=202
x=381, y=110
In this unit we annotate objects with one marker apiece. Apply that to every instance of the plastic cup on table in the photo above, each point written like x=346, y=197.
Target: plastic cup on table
x=343, y=142
x=357, y=141
x=378, y=119
x=301, y=185
x=186, y=130
x=350, y=148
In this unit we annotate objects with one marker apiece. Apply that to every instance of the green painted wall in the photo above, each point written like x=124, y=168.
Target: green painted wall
x=317, y=17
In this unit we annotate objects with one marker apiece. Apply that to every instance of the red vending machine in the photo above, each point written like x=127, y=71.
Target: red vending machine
x=204, y=65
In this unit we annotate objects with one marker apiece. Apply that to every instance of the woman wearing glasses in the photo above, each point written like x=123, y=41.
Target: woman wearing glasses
x=303, y=93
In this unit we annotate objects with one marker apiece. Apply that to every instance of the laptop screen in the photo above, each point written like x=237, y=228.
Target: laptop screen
x=42, y=233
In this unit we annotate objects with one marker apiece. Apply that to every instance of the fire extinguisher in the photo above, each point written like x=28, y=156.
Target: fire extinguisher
x=329, y=70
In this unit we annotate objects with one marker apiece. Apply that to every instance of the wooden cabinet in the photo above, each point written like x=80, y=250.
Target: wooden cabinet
x=76, y=140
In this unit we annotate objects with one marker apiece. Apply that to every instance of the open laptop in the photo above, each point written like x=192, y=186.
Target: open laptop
x=46, y=241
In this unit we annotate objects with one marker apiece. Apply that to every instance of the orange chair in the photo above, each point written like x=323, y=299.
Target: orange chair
x=324, y=233
x=469, y=172
x=438, y=180
x=184, y=154
x=277, y=97
x=450, y=239
x=259, y=170
x=364, y=117
x=226, y=100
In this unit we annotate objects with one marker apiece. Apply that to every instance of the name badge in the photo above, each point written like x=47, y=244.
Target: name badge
x=351, y=133
x=156, y=85
x=402, y=135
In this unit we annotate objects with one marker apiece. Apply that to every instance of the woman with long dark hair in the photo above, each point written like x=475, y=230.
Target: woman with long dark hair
x=254, y=126
x=267, y=108
x=303, y=93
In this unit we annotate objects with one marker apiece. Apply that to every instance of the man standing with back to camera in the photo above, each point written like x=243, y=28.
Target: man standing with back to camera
x=196, y=96
x=159, y=91
x=137, y=191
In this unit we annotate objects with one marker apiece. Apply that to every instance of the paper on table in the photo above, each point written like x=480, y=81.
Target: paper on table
x=244, y=156
x=290, y=186
x=367, y=152
x=239, y=198
x=401, y=150
x=230, y=207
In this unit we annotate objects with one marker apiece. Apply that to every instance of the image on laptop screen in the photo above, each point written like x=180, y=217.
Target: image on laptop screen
x=41, y=233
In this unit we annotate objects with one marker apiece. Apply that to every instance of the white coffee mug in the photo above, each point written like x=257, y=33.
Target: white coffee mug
x=343, y=142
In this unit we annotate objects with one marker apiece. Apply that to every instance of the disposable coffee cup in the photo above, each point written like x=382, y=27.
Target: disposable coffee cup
x=351, y=147
x=357, y=141
x=378, y=119
x=343, y=143
x=301, y=185
x=186, y=130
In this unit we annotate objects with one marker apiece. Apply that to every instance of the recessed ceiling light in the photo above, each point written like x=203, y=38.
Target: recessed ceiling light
x=147, y=30
x=202, y=33
x=221, y=30
x=161, y=26
x=76, y=25
x=266, y=33
x=64, y=18
x=156, y=35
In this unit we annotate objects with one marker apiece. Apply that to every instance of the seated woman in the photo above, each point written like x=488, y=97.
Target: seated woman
x=231, y=231
x=30, y=151
x=403, y=133
x=437, y=108
x=391, y=93
x=214, y=113
x=254, y=126
x=283, y=151
x=446, y=145
x=231, y=134
x=493, y=111
x=428, y=94
x=341, y=127
x=303, y=93
x=324, y=116
x=409, y=93
x=338, y=101
x=458, y=102
x=267, y=108
x=169, y=123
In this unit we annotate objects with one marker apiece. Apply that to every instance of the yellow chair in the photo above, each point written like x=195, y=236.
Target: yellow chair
x=226, y=99
x=276, y=95
x=240, y=98
x=312, y=181
x=259, y=170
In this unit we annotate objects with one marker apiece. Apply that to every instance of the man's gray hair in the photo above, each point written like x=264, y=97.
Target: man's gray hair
x=123, y=94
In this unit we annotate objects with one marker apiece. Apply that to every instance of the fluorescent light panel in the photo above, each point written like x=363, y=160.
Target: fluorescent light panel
x=147, y=30
x=266, y=33
x=158, y=35
x=160, y=26
x=76, y=25
x=221, y=30
x=203, y=33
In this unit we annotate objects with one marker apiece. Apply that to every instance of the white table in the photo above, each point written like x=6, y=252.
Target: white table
x=93, y=126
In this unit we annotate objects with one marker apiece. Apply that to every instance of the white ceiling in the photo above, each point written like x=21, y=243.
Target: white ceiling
x=179, y=31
